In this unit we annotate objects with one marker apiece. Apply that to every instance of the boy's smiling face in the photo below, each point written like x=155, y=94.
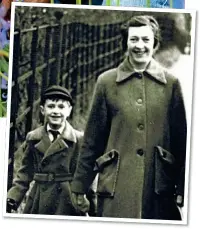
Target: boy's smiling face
x=55, y=112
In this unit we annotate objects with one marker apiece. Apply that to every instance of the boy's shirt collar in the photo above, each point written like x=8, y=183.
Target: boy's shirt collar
x=60, y=130
x=67, y=132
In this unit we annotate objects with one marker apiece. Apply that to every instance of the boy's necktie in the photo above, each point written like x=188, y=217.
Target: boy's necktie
x=55, y=134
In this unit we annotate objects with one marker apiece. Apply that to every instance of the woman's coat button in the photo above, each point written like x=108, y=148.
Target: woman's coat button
x=141, y=127
x=139, y=101
x=140, y=152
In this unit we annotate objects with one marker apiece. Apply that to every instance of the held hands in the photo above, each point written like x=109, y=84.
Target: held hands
x=80, y=202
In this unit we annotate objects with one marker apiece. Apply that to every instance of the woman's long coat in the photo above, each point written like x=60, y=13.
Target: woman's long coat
x=43, y=157
x=136, y=139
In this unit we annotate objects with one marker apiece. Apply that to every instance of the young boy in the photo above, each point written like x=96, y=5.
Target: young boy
x=50, y=155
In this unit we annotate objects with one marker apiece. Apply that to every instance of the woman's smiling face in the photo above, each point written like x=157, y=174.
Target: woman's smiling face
x=140, y=45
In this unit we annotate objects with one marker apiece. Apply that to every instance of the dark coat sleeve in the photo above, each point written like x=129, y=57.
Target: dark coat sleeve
x=178, y=133
x=23, y=177
x=95, y=140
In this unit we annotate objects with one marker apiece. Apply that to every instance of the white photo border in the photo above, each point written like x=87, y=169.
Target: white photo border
x=189, y=118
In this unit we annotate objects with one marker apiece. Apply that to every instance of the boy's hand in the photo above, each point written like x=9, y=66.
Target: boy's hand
x=80, y=202
x=11, y=205
x=179, y=200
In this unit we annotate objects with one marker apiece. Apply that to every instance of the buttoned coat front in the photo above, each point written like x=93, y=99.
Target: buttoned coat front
x=136, y=140
x=42, y=156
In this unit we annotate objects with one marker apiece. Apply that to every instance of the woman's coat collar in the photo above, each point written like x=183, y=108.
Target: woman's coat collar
x=125, y=71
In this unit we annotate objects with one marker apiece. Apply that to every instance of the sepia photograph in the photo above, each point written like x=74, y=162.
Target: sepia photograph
x=99, y=113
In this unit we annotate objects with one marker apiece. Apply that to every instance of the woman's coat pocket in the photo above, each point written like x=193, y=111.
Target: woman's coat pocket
x=107, y=166
x=164, y=172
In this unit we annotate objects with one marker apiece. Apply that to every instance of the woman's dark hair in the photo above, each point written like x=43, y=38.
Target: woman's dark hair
x=137, y=21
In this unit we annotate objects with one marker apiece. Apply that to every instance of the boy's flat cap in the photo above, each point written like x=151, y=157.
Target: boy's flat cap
x=59, y=92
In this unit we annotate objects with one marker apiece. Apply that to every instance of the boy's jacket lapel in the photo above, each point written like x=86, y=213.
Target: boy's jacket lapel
x=57, y=146
x=45, y=146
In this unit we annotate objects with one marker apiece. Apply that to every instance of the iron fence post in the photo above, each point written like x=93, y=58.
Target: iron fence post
x=45, y=74
x=31, y=86
x=57, y=43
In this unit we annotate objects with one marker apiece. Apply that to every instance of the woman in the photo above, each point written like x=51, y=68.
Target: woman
x=135, y=136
